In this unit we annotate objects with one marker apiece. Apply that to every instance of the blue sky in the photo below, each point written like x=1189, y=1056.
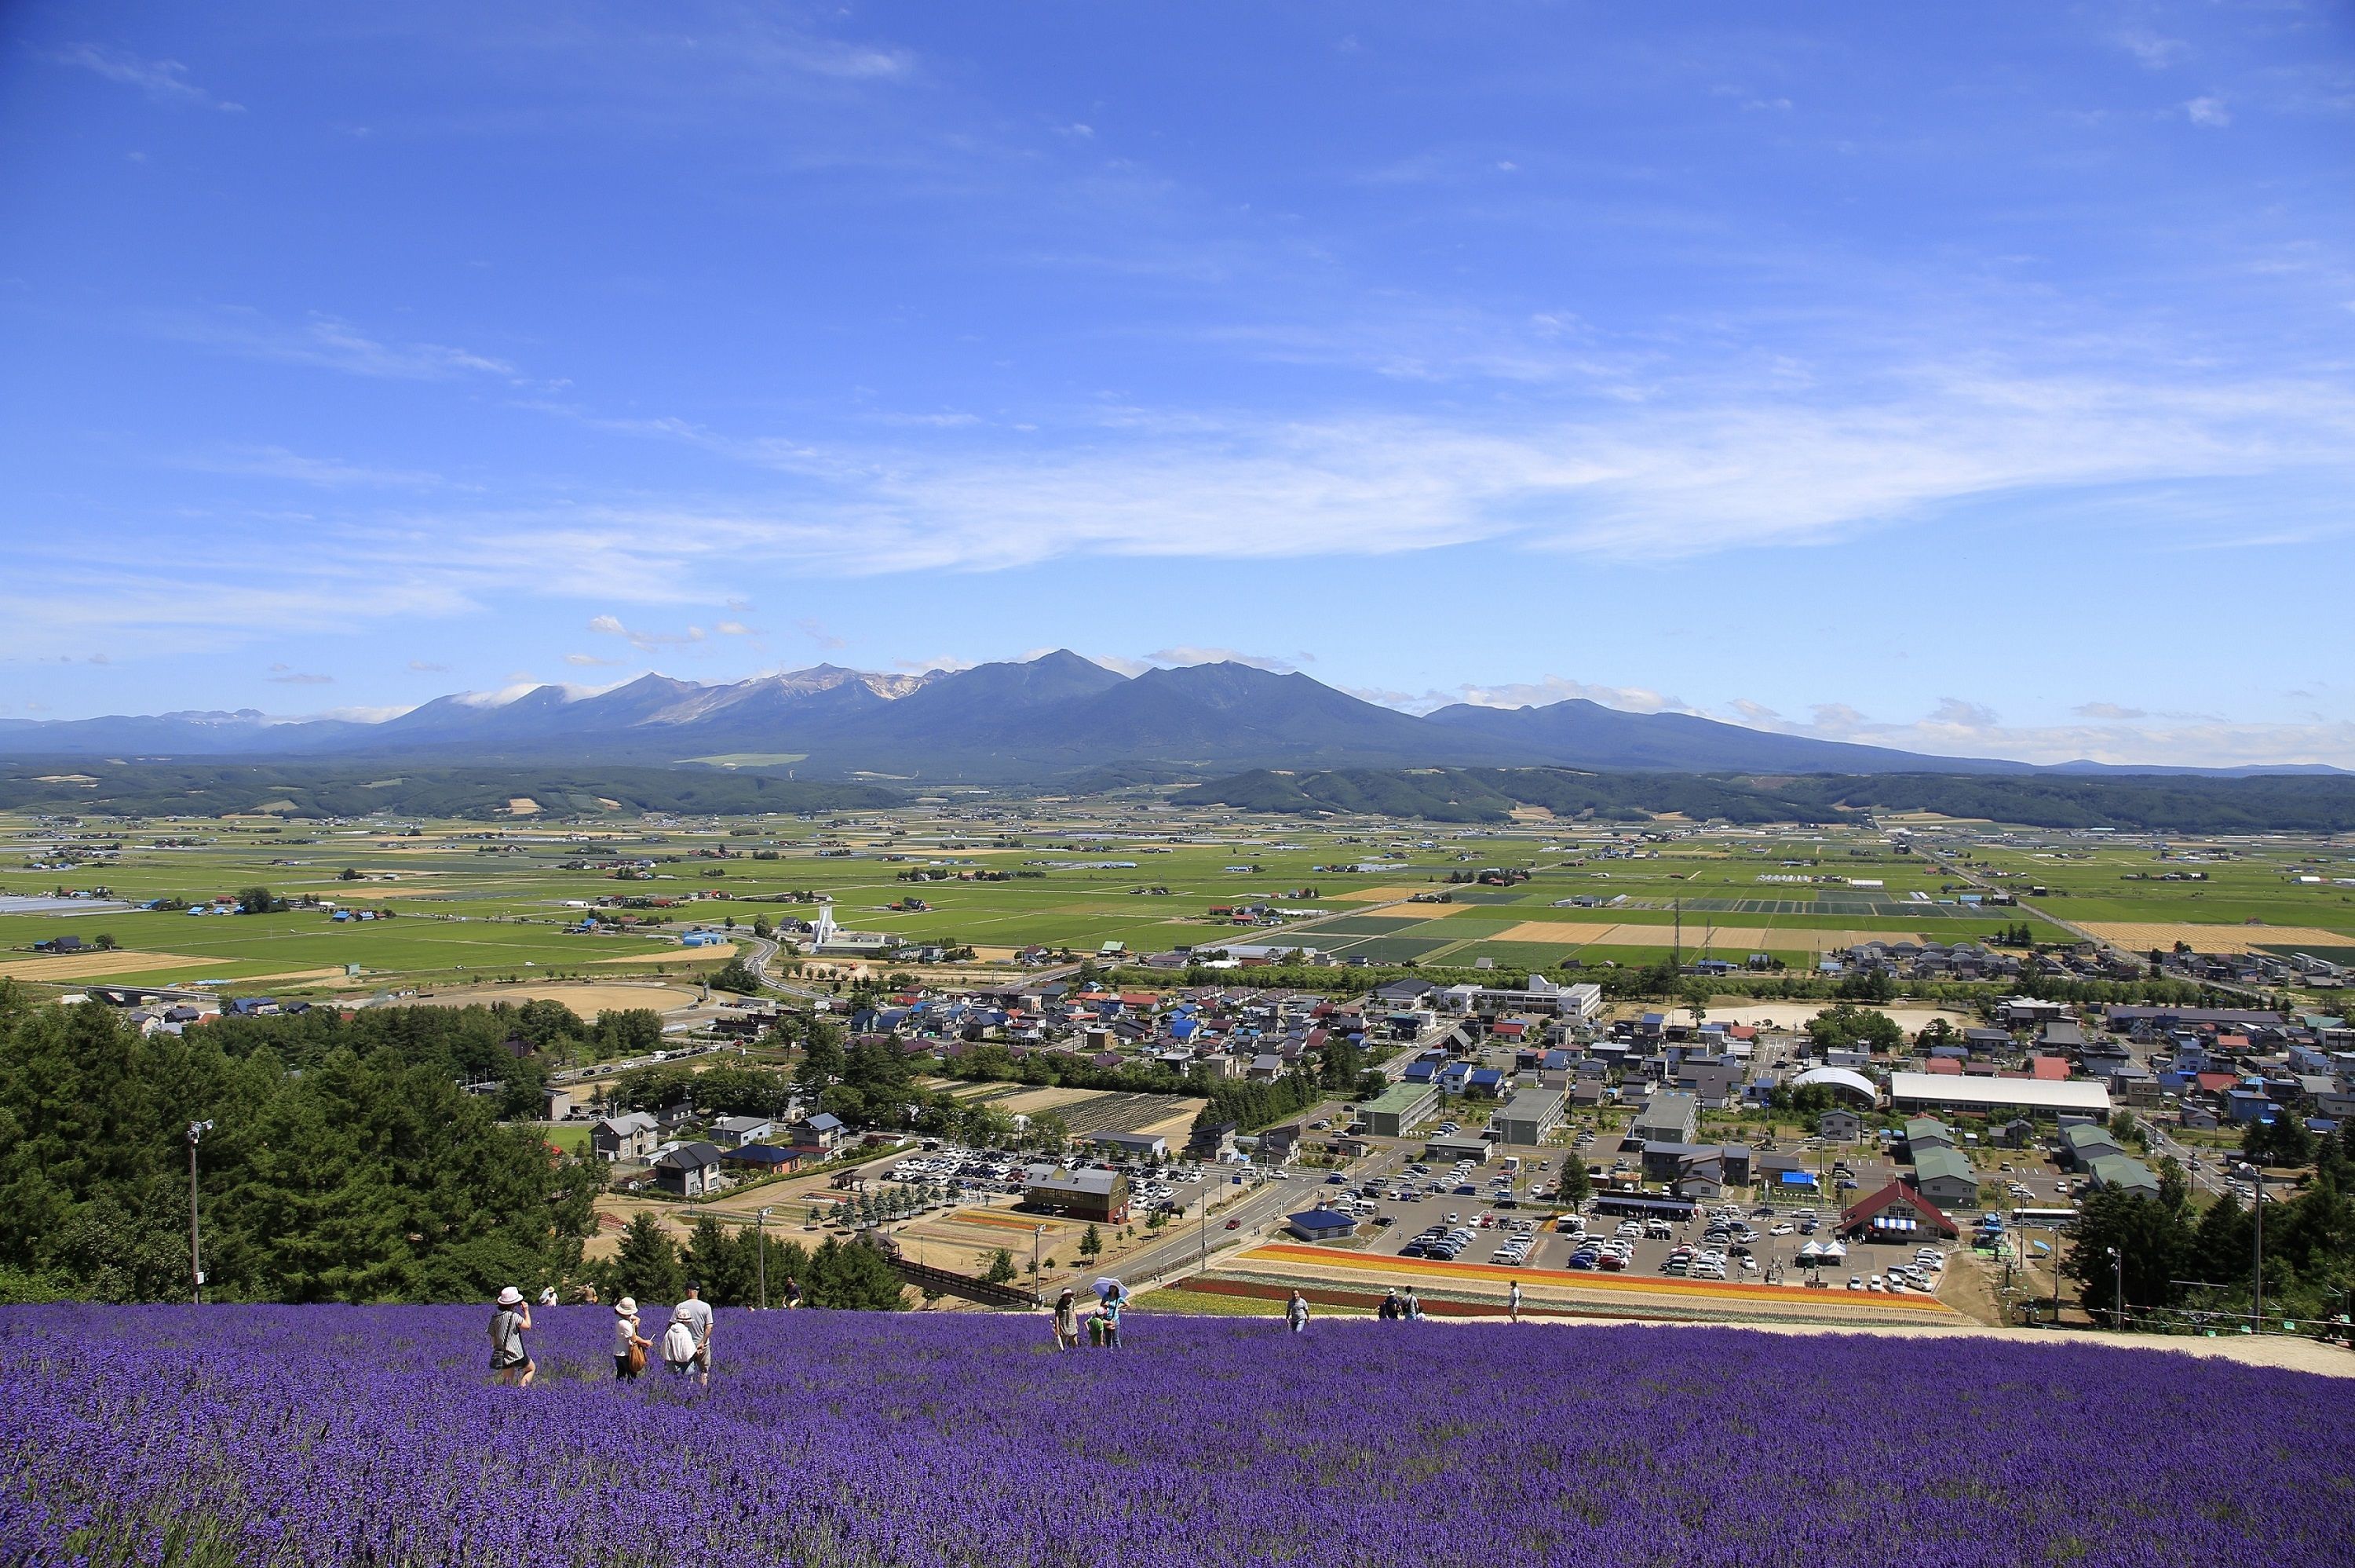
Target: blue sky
x=1969, y=378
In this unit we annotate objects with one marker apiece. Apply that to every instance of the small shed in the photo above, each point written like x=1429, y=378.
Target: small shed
x=1322, y=1225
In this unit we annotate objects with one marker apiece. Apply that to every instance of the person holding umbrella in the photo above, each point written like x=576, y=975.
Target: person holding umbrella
x=1115, y=1299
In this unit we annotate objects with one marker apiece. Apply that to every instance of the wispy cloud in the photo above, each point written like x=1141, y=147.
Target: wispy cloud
x=817, y=632
x=1188, y=653
x=2154, y=51
x=286, y=675
x=1556, y=689
x=588, y=660
x=327, y=474
x=2120, y=736
x=1647, y=478
x=2212, y=113
x=166, y=81
x=427, y=667
x=329, y=343
x=644, y=641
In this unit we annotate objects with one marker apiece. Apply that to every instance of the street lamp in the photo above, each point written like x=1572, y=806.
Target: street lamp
x=2259, y=1315
x=196, y=1130
x=761, y=1251
x=2118, y=1302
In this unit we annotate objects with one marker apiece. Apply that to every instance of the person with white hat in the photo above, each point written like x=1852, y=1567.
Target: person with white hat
x=510, y=1362
x=630, y=1347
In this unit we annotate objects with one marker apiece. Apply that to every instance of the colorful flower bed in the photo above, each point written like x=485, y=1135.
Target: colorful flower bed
x=239, y=1434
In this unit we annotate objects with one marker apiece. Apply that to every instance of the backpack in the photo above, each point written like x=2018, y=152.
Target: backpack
x=678, y=1344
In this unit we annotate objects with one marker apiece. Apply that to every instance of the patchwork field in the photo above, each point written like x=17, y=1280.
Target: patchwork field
x=94, y=966
x=2139, y=935
x=478, y=900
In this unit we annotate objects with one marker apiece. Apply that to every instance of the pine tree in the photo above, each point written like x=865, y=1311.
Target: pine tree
x=648, y=1264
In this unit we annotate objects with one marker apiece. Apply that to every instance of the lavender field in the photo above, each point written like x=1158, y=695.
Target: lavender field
x=370, y=1434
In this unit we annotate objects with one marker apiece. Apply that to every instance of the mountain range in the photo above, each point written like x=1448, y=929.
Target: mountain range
x=1055, y=718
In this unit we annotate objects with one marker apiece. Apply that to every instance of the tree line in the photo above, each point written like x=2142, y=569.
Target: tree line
x=2178, y=1257
x=345, y=1169
x=468, y=1044
x=726, y=1266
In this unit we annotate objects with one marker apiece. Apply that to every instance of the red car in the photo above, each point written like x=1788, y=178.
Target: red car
x=1235, y=1225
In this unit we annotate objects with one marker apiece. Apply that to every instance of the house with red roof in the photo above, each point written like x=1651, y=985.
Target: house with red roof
x=1895, y=1213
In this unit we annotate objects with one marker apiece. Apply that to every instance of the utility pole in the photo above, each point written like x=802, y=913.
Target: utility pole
x=1678, y=956
x=761, y=1251
x=196, y=1130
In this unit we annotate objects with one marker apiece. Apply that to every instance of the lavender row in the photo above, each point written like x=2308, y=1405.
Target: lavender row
x=307, y=1434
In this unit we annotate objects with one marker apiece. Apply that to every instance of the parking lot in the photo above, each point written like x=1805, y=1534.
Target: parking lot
x=979, y=1175
x=1470, y=1214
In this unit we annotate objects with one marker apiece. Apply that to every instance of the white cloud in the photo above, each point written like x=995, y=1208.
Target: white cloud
x=1646, y=477
x=330, y=344
x=362, y=713
x=2208, y=111
x=2118, y=735
x=1555, y=689
x=286, y=675
x=817, y=632
x=732, y=628
x=1185, y=654
x=166, y=82
x=582, y=660
x=426, y=667
x=277, y=462
x=642, y=641
x=2154, y=50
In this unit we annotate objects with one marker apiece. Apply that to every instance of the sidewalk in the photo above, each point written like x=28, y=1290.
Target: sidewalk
x=2287, y=1353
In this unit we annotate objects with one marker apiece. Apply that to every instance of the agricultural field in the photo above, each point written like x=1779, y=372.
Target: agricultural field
x=835, y=1439
x=2248, y=893
x=470, y=901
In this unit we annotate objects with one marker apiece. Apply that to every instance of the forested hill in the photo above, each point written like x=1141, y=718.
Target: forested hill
x=2168, y=803
x=344, y=1163
x=313, y=789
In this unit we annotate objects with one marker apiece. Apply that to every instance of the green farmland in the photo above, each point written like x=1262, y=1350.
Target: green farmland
x=475, y=902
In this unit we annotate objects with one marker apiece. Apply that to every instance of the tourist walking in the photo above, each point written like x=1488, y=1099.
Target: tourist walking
x=1513, y=1302
x=1067, y=1321
x=1390, y=1311
x=1110, y=1317
x=630, y=1347
x=695, y=1313
x=679, y=1343
x=1412, y=1305
x=510, y=1362
x=793, y=1291
x=1295, y=1313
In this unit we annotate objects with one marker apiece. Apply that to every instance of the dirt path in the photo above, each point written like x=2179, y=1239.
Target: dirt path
x=2288, y=1353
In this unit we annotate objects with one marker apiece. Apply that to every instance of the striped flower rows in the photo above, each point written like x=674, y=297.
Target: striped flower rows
x=284, y=1436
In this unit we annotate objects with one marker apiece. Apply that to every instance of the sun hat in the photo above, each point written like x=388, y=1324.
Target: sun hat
x=627, y=1307
x=510, y=1297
